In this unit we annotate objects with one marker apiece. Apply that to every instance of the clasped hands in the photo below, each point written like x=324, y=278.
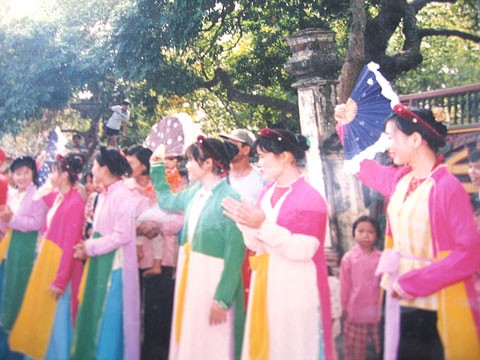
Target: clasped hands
x=243, y=213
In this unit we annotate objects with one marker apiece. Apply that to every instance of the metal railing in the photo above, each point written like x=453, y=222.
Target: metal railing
x=462, y=103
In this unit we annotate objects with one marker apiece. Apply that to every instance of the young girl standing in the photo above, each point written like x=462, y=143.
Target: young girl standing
x=360, y=291
x=44, y=326
x=108, y=324
x=289, y=314
x=208, y=306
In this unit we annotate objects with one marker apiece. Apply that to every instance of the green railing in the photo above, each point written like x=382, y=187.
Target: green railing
x=462, y=102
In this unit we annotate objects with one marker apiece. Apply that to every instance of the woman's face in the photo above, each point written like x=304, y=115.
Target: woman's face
x=195, y=171
x=99, y=173
x=270, y=164
x=55, y=177
x=400, y=147
x=22, y=177
x=138, y=169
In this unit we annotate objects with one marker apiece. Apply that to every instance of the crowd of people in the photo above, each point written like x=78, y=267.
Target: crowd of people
x=229, y=263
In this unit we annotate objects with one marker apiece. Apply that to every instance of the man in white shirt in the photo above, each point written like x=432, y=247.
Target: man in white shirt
x=117, y=121
x=243, y=177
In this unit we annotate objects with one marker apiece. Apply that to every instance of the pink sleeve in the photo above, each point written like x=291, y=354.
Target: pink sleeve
x=33, y=221
x=72, y=236
x=345, y=282
x=123, y=232
x=379, y=177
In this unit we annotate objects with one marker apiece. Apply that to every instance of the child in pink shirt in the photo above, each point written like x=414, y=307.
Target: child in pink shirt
x=360, y=291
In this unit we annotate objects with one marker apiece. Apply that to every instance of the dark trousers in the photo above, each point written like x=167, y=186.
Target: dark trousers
x=157, y=296
x=419, y=338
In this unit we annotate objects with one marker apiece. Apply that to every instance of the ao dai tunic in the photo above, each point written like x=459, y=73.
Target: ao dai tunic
x=455, y=246
x=114, y=222
x=210, y=260
x=19, y=246
x=44, y=325
x=297, y=305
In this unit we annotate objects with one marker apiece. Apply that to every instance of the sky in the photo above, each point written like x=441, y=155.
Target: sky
x=22, y=8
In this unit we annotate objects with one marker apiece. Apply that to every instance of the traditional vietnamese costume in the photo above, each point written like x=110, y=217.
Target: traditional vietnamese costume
x=209, y=270
x=44, y=326
x=289, y=313
x=438, y=257
x=108, y=324
x=17, y=250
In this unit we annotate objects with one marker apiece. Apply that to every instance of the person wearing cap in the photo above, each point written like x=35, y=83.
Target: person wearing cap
x=247, y=180
x=208, y=310
x=117, y=121
x=432, y=245
x=244, y=177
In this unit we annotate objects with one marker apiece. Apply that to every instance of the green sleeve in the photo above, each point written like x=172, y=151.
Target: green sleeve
x=167, y=200
x=234, y=255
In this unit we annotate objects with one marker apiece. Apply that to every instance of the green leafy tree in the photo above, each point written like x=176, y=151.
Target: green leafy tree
x=35, y=74
x=223, y=57
x=236, y=50
x=53, y=62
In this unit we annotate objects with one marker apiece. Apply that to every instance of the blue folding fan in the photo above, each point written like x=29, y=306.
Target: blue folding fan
x=371, y=101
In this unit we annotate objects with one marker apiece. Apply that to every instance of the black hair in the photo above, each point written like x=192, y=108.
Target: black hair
x=86, y=176
x=474, y=156
x=366, y=218
x=143, y=155
x=222, y=152
x=174, y=157
x=114, y=160
x=27, y=161
x=296, y=144
x=72, y=164
x=434, y=141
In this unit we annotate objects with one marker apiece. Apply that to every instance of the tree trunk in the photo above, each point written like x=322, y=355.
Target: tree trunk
x=356, y=51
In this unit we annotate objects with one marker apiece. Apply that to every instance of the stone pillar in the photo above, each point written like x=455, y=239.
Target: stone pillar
x=315, y=65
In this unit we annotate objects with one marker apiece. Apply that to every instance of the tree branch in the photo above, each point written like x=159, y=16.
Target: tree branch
x=223, y=77
x=446, y=32
x=380, y=29
x=420, y=4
